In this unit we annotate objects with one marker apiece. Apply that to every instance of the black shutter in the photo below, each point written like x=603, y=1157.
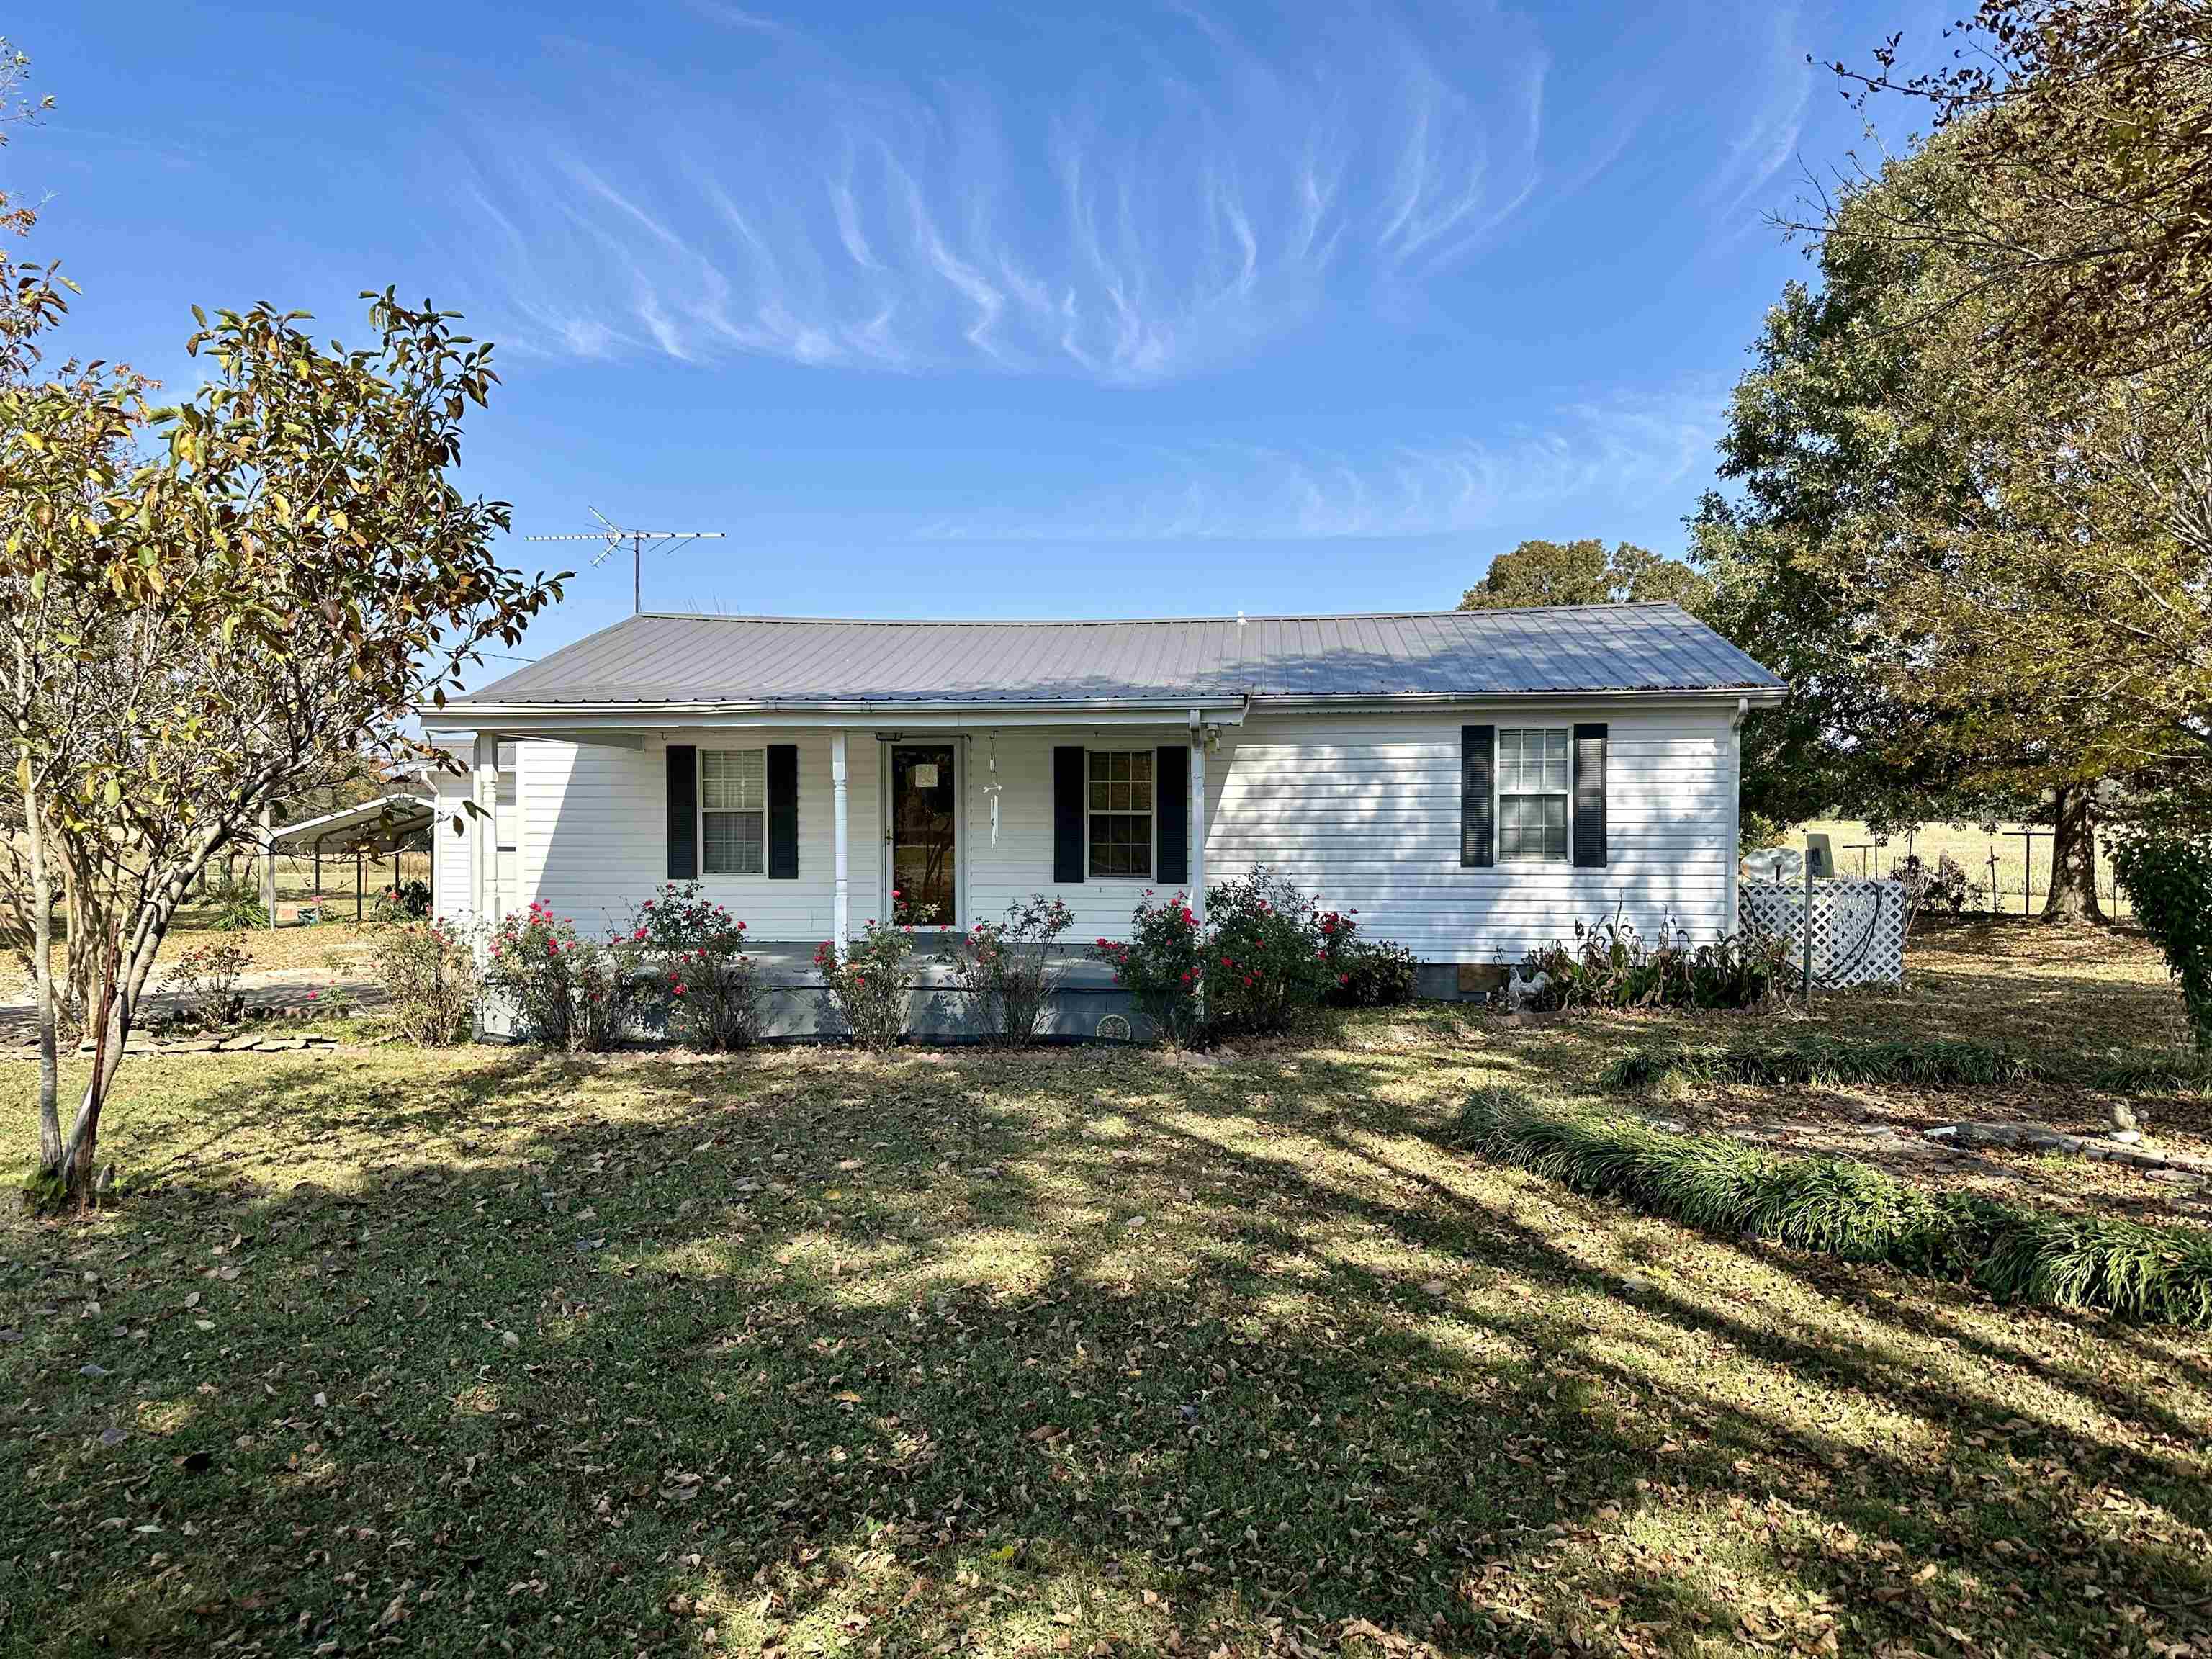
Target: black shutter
x=783, y=811
x=1171, y=797
x=1478, y=807
x=1590, y=796
x=1067, y=813
x=683, y=812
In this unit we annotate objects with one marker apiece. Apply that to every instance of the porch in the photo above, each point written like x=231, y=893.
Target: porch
x=809, y=831
x=795, y=1004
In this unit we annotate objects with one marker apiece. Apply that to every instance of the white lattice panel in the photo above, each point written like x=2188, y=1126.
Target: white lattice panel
x=1858, y=926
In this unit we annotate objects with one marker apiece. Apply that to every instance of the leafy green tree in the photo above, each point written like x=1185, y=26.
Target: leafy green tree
x=2085, y=128
x=208, y=608
x=1541, y=573
x=1975, y=616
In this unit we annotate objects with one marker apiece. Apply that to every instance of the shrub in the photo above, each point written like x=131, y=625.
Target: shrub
x=1943, y=883
x=867, y=985
x=1266, y=955
x=2156, y=1074
x=1846, y=1209
x=332, y=1002
x=1824, y=1063
x=236, y=915
x=707, y=988
x=1363, y=973
x=566, y=992
x=1611, y=965
x=2168, y=879
x=1163, y=965
x=233, y=902
x=206, y=977
x=428, y=973
x=403, y=901
x=1009, y=969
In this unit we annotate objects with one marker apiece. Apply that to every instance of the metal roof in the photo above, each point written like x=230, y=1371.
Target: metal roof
x=694, y=659
x=387, y=818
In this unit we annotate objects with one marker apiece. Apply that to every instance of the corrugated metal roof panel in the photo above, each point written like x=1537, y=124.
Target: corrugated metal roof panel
x=664, y=659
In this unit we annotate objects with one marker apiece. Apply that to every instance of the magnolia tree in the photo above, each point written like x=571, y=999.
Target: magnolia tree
x=210, y=608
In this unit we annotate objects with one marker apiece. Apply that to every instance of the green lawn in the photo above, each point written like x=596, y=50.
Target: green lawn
x=1083, y=1351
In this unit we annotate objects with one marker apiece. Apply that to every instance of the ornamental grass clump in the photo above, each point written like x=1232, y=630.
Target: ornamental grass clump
x=867, y=983
x=1835, y=1207
x=1823, y=1062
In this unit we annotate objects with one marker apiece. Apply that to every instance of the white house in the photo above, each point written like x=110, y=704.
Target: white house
x=1473, y=782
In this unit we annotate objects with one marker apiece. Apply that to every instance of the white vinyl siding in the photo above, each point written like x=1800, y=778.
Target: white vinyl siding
x=596, y=833
x=1363, y=810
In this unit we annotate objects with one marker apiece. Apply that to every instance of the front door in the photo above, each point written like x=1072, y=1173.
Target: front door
x=923, y=822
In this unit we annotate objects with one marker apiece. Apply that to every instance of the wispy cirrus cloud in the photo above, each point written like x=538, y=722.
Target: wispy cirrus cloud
x=1772, y=121
x=1585, y=456
x=1181, y=193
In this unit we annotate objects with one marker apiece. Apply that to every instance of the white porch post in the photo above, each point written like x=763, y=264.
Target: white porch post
x=483, y=847
x=268, y=870
x=1198, y=836
x=842, y=913
x=1197, y=821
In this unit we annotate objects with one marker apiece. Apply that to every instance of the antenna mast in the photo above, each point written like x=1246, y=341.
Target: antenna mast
x=614, y=535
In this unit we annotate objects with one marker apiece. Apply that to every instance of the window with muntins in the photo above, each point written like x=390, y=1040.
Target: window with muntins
x=733, y=812
x=1120, y=811
x=1532, y=794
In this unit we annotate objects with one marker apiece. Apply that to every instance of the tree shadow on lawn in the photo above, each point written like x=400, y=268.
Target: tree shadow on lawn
x=818, y=1352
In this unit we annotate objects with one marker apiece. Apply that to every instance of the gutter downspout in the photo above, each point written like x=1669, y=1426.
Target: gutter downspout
x=1735, y=813
x=1196, y=830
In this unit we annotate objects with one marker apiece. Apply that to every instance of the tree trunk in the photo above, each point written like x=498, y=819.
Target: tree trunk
x=42, y=980
x=2073, y=895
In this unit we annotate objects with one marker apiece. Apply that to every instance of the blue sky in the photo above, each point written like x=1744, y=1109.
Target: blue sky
x=1133, y=310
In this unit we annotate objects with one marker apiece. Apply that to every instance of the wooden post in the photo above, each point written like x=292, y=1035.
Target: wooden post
x=356, y=884
x=1806, y=920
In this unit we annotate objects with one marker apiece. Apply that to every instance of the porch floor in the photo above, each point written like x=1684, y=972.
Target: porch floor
x=791, y=963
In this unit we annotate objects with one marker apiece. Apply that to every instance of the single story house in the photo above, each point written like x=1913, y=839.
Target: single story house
x=1473, y=783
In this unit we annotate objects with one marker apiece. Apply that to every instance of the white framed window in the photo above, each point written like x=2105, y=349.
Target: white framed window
x=1119, y=818
x=733, y=812
x=1534, y=786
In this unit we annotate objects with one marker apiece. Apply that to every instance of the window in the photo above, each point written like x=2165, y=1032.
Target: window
x=1120, y=817
x=1532, y=794
x=733, y=812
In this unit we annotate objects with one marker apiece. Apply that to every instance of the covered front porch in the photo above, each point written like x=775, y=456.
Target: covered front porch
x=809, y=828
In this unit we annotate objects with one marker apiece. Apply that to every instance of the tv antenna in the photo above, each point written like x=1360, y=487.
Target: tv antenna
x=614, y=535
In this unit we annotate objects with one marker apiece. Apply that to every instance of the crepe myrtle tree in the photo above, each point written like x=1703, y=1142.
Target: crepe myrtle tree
x=217, y=606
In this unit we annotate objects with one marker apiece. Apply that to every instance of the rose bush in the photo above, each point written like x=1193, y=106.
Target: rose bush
x=1163, y=965
x=705, y=986
x=566, y=992
x=427, y=972
x=1009, y=969
x=867, y=983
